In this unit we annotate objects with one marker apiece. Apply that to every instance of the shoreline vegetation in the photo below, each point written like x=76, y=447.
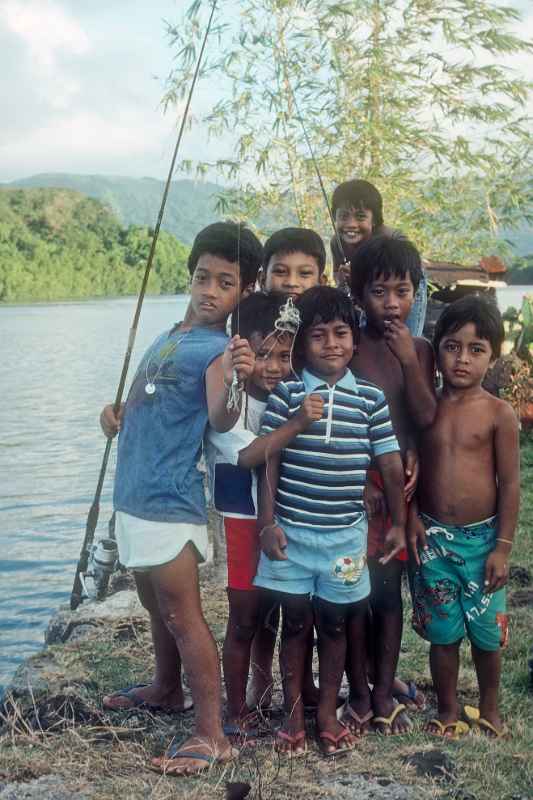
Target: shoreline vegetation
x=56, y=743
x=57, y=244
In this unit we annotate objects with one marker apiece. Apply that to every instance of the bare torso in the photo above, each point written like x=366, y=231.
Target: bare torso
x=457, y=483
x=375, y=362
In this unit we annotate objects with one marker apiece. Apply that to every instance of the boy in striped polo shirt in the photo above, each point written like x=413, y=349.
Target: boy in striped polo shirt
x=312, y=516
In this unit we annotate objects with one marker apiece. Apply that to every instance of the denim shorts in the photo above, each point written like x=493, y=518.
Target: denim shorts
x=448, y=587
x=329, y=565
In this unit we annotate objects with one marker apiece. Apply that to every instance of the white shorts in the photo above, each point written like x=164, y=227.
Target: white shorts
x=143, y=544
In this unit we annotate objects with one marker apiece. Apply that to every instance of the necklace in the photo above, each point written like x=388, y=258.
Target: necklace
x=164, y=354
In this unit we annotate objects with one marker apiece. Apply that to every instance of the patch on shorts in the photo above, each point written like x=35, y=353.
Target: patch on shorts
x=349, y=570
x=502, y=621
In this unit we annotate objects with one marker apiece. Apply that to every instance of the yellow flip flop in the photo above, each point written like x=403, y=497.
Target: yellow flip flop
x=388, y=721
x=459, y=729
x=480, y=725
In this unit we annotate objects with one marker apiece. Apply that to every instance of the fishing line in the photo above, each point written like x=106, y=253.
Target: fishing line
x=78, y=592
x=319, y=176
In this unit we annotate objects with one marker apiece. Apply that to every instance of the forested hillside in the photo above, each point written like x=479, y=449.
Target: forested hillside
x=135, y=201
x=57, y=244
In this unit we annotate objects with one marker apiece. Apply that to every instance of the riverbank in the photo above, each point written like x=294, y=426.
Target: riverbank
x=55, y=742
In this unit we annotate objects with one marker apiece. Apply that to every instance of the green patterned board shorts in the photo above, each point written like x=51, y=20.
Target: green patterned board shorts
x=447, y=588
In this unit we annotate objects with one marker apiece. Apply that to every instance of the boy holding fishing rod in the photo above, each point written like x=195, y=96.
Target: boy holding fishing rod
x=183, y=382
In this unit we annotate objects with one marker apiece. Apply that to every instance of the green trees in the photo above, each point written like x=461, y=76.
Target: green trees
x=413, y=95
x=58, y=244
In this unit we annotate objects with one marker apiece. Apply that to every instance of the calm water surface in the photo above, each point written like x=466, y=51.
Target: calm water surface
x=61, y=364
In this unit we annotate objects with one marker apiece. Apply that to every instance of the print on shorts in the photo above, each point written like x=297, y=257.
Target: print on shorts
x=348, y=569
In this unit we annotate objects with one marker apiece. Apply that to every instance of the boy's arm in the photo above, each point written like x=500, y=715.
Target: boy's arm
x=418, y=365
x=391, y=467
x=273, y=541
x=507, y=451
x=237, y=356
x=263, y=447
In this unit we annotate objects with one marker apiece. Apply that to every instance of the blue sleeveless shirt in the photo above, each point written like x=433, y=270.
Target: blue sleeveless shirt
x=160, y=443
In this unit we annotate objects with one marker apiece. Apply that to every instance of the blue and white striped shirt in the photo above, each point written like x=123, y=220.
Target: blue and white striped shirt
x=322, y=472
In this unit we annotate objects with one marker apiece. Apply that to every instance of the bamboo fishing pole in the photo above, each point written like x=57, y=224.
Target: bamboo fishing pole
x=77, y=593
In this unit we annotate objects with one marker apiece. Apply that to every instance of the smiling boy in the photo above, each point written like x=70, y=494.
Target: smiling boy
x=468, y=495
x=312, y=516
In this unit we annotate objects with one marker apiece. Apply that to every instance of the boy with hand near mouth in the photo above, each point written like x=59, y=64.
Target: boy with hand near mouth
x=468, y=495
x=385, y=276
x=357, y=208
x=313, y=536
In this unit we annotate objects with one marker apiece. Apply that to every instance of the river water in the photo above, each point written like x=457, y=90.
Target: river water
x=61, y=364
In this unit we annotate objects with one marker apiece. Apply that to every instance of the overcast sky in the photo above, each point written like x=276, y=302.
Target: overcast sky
x=81, y=83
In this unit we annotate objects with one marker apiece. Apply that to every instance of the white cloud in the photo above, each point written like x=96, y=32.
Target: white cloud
x=46, y=29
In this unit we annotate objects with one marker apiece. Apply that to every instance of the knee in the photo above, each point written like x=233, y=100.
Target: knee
x=331, y=620
x=296, y=624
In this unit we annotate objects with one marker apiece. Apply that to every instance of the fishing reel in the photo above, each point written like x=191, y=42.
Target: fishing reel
x=102, y=562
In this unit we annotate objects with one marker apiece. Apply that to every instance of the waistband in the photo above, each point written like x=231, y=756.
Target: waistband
x=472, y=527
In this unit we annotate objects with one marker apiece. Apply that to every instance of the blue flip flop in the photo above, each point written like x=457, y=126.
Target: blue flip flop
x=142, y=705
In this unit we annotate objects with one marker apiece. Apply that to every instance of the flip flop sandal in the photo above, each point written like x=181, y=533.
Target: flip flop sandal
x=388, y=721
x=139, y=704
x=410, y=696
x=176, y=753
x=459, y=729
x=325, y=738
x=352, y=716
x=243, y=736
x=480, y=725
x=294, y=741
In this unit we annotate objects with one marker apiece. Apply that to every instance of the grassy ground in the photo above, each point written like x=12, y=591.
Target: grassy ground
x=102, y=758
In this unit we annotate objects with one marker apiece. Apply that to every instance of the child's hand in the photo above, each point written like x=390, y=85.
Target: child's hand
x=311, y=410
x=240, y=357
x=416, y=537
x=273, y=542
x=394, y=542
x=496, y=571
x=411, y=467
x=111, y=422
x=374, y=500
x=400, y=342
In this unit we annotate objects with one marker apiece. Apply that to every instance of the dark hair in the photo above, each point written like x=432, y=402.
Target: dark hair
x=232, y=241
x=296, y=240
x=257, y=313
x=324, y=304
x=479, y=311
x=358, y=194
x=384, y=256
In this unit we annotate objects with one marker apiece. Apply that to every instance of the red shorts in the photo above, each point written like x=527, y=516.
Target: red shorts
x=242, y=546
x=378, y=527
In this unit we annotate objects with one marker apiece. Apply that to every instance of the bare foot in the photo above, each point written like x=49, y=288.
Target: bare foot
x=194, y=755
x=151, y=697
x=390, y=718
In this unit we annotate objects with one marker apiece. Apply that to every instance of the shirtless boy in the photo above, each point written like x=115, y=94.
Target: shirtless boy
x=385, y=276
x=468, y=496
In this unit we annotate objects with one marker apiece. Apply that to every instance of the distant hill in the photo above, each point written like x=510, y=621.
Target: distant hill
x=136, y=201
x=57, y=244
